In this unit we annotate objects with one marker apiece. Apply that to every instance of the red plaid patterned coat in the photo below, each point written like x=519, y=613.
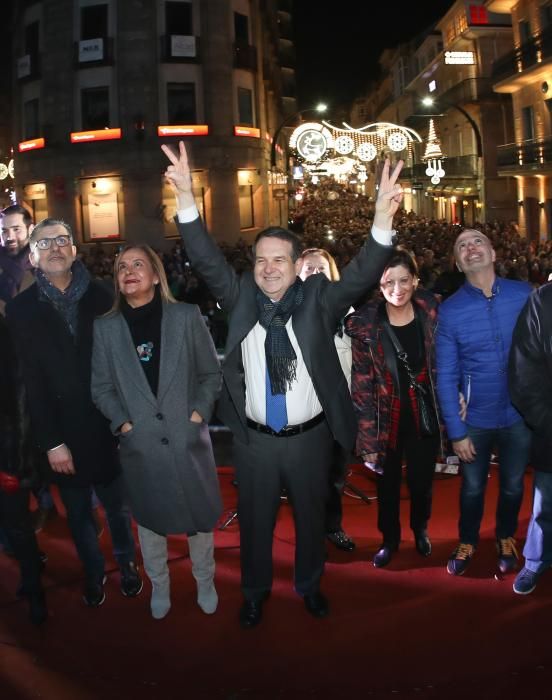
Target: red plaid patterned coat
x=374, y=385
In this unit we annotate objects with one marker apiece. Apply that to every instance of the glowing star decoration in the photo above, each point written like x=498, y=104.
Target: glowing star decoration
x=344, y=145
x=366, y=151
x=397, y=141
x=3, y=171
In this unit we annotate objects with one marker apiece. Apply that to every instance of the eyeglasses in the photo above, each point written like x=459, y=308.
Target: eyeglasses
x=61, y=241
x=403, y=283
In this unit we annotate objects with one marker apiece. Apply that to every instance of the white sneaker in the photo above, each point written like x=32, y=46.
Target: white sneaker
x=207, y=597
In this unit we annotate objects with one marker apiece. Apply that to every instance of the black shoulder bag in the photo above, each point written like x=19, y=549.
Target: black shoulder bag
x=427, y=415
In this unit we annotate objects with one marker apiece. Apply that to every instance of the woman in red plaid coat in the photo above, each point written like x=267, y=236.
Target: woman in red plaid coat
x=385, y=401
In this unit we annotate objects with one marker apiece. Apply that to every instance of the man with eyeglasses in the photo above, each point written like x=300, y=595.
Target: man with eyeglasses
x=52, y=328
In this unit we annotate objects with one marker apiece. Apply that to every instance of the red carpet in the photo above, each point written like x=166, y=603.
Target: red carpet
x=408, y=631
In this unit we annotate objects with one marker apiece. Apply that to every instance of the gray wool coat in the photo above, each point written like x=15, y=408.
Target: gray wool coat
x=168, y=464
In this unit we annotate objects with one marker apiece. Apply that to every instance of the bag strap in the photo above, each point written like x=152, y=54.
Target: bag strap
x=401, y=353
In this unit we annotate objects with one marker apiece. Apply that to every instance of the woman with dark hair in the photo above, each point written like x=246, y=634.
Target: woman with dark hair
x=156, y=376
x=386, y=401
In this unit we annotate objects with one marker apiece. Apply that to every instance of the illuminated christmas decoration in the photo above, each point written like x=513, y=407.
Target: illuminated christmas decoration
x=397, y=142
x=366, y=151
x=343, y=151
x=433, y=156
x=344, y=145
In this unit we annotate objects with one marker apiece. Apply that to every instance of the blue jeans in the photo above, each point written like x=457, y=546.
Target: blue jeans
x=78, y=503
x=513, y=449
x=538, y=545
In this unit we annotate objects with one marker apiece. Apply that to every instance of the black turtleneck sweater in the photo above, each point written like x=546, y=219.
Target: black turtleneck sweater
x=144, y=323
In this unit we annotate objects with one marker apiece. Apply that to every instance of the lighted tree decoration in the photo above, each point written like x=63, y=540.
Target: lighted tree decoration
x=433, y=156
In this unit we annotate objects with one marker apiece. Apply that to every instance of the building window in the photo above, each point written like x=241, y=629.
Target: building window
x=95, y=108
x=528, y=123
x=31, y=128
x=178, y=18
x=246, y=206
x=241, y=29
x=32, y=41
x=181, y=103
x=93, y=22
x=524, y=32
x=546, y=16
x=245, y=107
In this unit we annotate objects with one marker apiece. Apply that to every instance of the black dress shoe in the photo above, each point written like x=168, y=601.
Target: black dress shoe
x=423, y=544
x=383, y=556
x=316, y=604
x=251, y=613
x=341, y=540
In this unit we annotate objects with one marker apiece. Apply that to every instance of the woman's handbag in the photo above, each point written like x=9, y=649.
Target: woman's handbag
x=427, y=415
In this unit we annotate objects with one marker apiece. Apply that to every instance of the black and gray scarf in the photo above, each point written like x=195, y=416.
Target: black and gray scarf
x=281, y=360
x=66, y=303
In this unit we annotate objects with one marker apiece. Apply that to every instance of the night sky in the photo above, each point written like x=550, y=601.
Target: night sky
x=337, y=49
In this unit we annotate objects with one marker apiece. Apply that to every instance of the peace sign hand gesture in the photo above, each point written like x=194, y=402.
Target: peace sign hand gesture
x=178, y=175
x=390, y=195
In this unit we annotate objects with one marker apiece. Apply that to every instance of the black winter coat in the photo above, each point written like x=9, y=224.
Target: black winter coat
x=18, y=454
x=57, y=368
x=530, y=373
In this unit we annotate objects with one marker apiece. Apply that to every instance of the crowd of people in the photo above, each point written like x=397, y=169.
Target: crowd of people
x=368, y=331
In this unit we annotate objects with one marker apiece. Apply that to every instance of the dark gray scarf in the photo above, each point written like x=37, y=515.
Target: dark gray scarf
x=66, y=303
x=281, y=360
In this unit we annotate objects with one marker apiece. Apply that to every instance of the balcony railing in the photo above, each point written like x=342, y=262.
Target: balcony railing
x=457, y=166
x=469, y=91
x=529, y=154
x=528, y=55
x=245, y=57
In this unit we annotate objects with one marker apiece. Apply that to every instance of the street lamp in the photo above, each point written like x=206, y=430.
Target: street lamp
x=429, y=101
x=320, y=108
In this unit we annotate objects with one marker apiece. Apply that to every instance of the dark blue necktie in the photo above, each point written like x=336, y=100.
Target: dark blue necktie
x=276, y=413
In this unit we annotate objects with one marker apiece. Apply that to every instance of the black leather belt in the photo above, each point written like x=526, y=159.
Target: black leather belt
x=289, y=430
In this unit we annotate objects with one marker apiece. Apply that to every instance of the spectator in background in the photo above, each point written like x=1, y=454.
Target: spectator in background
x=312, y=262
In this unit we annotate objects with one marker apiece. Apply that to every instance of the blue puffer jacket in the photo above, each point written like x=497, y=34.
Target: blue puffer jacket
x=473, y=341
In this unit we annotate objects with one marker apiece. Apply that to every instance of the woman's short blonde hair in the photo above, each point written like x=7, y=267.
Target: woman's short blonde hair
x=157, y=266
x=334, y=272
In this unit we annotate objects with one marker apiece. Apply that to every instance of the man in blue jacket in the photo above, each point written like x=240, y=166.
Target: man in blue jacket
x=473, y=341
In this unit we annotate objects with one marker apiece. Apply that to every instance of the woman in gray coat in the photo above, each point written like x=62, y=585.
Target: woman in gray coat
x=156, y=376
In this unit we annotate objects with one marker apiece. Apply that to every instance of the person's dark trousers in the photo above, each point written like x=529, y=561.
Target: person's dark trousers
x=513, y=443
x=420, y=456
x=78, y=504
x=18, y=526
x=300, y=464
x=338, y=473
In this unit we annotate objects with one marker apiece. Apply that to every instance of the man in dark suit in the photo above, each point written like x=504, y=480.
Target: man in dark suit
x=52, y=324
x=285, y=396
